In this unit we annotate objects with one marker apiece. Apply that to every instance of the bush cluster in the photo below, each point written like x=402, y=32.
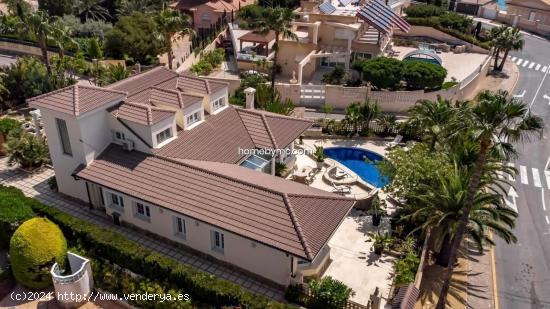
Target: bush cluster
x=13, y=211
x=428, y=10
x=209, y=61
x=100, y=243
x=389, y=73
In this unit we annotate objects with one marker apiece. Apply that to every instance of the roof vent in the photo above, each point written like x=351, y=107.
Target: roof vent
x=128, y=145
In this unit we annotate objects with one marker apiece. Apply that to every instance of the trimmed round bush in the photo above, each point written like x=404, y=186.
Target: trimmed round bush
x=422, y=74
x=383, y=72
x=13, y=211
x=34, y=247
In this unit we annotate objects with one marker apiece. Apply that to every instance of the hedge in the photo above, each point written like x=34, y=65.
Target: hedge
x=101, y=243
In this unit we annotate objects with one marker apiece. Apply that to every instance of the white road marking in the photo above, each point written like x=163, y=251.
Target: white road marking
x=523, y=174
x=525, y=63
x=537, y=67
x=546, y=97
x=536, y=177
x=519, y=61
x=532, y=65
x=547, y=176
x=547, y=220
x=544, y=69
x=543, y=202
x=500, y=174
x=538, y=90
x=547, y=163
x=513, y=194
x=514, y=58
x=520, y=95
x=511, y=176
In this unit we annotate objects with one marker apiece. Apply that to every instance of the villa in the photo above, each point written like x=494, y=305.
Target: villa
x=159, y=151
x=330, y=33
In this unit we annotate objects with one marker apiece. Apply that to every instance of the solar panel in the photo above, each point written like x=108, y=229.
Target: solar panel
x=381, y=17
x=345, y=2
x=327, y=8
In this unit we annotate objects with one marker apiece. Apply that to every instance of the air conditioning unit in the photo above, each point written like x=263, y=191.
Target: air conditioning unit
x=128, y=145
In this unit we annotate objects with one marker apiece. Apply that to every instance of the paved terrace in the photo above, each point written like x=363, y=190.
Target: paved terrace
x=36, y=186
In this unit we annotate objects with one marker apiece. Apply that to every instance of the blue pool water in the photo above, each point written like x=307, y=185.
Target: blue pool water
x=354, y=159
x=501, y=4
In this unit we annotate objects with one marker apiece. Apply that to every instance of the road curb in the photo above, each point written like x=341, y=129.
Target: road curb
x=516, y=69
x=494, y=275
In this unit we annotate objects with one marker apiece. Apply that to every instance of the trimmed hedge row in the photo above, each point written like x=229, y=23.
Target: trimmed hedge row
x=101, y=243
x=434, y=22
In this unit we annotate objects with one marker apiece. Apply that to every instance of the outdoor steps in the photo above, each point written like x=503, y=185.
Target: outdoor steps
x=369, y=37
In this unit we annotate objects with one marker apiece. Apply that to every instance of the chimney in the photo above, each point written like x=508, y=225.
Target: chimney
x=249, y=92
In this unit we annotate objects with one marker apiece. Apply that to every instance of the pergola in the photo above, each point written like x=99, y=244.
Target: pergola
x=260, y=39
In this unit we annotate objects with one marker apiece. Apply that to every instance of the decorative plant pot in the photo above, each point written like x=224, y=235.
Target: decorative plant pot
x=376, y=220
x=378, y=249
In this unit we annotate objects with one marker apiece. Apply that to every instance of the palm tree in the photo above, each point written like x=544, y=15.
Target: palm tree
x=91, y=9
x=38, y=26
x=495, y=42
x=440, y=210
x=278, y=20
x=496, y=122
x=433, y=117
x=113, y=73
x=369, y=111
x=62, y=36
x=170, y=22
x=511, y=39
x=353, y=115
x=387, y=122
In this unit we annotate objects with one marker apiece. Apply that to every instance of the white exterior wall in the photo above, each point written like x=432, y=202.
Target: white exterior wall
x=244, y=253
x=191, y=109
x=63, y=164
x=115, y=125
x=215, y=96
x=95, y=133
x=161, y=126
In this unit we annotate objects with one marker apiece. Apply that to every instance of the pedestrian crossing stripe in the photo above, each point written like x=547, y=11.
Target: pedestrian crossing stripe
x=537, y=67
x=533, y=176
x=523, y=175
x=536, y=178
x=529, y=64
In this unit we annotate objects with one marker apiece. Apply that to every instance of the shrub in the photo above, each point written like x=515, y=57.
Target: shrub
x=405, y=269
x=8, y=124
x=335, y=77
x=102, y=244
x=423, y=10
x=421, y=74
x=24, y=79
x=456, y=21
x=328, y=293
x=35, y=246
x=383, y=72
x=202, y=68
x=209, y=61
x=27, y=150
x=13, y=211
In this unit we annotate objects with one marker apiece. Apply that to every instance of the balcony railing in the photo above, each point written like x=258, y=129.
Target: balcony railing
x=76, y=262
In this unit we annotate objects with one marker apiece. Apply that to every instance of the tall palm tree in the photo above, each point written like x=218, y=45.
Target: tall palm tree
x=278, y=20
x=91, y=9
x=62, y=36
x=38, y=26
x=170, y=22
x=496, y=122
x=433, y=117
x=495, y=42
x=511, y=39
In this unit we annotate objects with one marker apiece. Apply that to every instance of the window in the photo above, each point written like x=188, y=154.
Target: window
x=219, y=103
x=119, y=136
x=179, y=227
x=64, y=136
x=218, y=241
x=117, y=201
x=193, y=118
x=164, y=135
x=143, y=211
x=206, y=17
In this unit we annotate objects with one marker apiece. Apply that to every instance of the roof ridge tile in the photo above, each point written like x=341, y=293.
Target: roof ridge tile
x=269, y=133
x=76, y=100
x=297, y=226
x=50, y=93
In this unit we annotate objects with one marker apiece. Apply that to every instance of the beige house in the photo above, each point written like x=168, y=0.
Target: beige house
x=336, y=33
x=162, y=152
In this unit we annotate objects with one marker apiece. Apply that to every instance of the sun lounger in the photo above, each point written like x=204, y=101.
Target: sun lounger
x=395, y=141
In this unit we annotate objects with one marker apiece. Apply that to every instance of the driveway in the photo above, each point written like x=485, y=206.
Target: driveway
x=354, y=261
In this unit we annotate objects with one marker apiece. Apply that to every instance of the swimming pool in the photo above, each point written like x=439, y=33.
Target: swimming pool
x=354, y=159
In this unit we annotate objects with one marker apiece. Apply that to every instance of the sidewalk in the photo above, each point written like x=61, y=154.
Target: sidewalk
x=506, y=80
x=36, y=186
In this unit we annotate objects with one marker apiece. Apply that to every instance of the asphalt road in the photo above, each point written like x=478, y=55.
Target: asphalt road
x=523, y=269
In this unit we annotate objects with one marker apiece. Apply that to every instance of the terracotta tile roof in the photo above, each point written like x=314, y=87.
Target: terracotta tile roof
x=158, y=95
x=269, y=130
x=144, y=80
x=288, y=216
x=217, y=139
x=140, y=113
x=76, y=99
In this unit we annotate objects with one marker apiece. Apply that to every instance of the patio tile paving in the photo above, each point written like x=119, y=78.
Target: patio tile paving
x=35, y=185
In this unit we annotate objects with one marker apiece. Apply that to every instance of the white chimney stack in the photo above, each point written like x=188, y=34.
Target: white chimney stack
x=249, y=92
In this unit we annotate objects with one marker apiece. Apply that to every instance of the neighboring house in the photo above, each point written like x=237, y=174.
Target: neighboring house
x=337, y=33
x=530, y=10
x=160, y=151
x=208, y=12
x=471, y=7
